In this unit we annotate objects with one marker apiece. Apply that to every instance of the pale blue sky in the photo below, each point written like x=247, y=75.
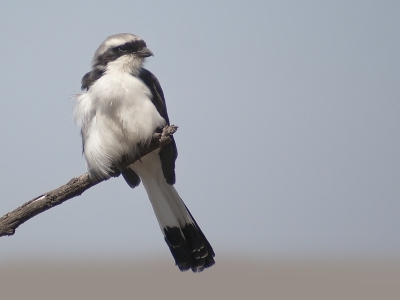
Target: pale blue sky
x=288, y=115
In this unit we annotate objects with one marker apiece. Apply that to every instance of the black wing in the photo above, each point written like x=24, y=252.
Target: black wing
x=169, y=152
x=90, y=78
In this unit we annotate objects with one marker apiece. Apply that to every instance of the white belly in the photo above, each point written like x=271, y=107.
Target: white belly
x=116, y=115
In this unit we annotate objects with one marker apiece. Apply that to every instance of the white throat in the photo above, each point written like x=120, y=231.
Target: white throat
x=125, y=64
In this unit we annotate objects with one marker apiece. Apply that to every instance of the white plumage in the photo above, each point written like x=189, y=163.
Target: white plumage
x=171, y=212
x=116, y=114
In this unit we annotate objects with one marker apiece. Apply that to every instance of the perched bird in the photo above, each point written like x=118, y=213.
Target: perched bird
x=121, y=107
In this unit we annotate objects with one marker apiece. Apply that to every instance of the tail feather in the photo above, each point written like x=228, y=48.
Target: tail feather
x=209, y=259
x=178, y=247
x=189, y=247
x=187, y=243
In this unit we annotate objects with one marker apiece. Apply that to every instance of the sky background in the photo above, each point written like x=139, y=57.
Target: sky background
x=288, y=115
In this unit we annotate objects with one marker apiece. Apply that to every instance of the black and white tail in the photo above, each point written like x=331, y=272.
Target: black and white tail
x=187, y=243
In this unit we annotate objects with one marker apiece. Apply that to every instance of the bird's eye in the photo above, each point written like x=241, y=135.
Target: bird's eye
x=122, y=49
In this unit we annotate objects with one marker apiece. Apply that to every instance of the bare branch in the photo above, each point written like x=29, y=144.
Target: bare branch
x=75, y=187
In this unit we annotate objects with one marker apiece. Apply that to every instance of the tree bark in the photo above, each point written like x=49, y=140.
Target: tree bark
x=75, y=187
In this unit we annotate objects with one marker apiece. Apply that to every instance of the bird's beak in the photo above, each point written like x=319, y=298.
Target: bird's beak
x=145, y=52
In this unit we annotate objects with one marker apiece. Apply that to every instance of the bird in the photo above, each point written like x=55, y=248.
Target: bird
x=120, y=108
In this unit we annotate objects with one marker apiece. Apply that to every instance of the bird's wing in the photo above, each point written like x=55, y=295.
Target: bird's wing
x=90, y=77
x=169, y=152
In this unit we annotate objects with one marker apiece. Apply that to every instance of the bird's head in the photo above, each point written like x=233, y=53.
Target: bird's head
x=124, y=50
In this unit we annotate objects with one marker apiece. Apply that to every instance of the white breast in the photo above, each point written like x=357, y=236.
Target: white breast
x=116, y=115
